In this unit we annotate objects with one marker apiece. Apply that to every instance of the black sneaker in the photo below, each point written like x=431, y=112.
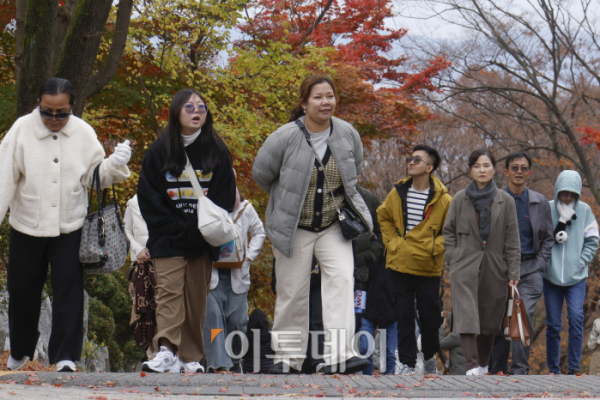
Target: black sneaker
x=353, y=365
x=573, y=372
x=278, y=369
x=237, y=368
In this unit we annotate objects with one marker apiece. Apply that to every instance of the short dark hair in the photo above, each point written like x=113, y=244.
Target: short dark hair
x=478, y=153
x=54, y=86
x=431, y=152
x=517, y=154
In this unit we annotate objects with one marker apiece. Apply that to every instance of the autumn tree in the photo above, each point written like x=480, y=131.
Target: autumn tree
x=62, y=38
x=533, y=64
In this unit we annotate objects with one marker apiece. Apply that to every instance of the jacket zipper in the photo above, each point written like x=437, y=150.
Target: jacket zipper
x=433, y=248
x=562, y=271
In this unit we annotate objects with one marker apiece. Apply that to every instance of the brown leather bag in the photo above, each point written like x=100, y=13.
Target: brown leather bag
x=515, y=326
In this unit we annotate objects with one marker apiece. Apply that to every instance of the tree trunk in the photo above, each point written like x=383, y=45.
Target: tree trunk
x=81, y=46
x=64, y=18
x=108, y=69
x=36, y=59
x=21, y=10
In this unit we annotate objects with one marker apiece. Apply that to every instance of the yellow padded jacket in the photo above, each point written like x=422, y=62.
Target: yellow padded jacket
x=419, y=251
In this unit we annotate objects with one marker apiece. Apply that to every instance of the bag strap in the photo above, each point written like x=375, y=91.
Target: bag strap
x=240, y=213
x=513, y=289
x=321, y=167
x=193, y=178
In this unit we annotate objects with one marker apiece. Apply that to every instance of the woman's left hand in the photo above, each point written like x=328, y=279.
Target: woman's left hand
x=513, y=282
x=120, y=157
x=247, y=259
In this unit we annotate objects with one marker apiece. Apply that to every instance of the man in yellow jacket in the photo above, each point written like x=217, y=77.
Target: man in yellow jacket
x=411, y=219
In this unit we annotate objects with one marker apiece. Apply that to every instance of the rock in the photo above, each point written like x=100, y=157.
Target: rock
x=98, y=360
x=45, y=329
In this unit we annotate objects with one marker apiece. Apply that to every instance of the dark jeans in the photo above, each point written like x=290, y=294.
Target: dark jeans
x=554, y=298
x=391, y=336
x=28, y=261
x=405, y=288
x=530, y=288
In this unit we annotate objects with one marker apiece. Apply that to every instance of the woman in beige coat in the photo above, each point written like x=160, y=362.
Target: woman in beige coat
x=482, y=246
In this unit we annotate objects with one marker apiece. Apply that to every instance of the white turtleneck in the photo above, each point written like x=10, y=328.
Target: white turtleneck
x=189, y=139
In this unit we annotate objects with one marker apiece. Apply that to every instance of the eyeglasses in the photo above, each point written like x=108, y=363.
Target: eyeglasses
x=61, y=116
x=568, y=194
x=190, y=108
x=415, y=159
x=516, y=168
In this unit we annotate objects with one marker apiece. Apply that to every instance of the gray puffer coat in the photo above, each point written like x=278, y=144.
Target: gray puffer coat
x=283, y=168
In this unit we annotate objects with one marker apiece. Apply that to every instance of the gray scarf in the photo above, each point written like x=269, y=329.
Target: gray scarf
x=481, y=200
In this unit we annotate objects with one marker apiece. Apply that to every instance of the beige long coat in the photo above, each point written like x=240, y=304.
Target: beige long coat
x=479, y=274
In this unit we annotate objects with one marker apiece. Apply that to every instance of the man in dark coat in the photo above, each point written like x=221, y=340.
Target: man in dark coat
x=536, y=234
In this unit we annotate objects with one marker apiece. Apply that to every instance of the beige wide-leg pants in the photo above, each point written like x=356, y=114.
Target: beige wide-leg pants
x=183, y=285
x=290, y=326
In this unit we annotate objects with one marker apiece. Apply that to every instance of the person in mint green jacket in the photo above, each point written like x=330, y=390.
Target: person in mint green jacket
x=576, y=235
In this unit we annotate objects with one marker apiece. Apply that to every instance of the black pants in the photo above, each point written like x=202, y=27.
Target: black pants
x=405, y=288
x=315, y=310
x=28, y=260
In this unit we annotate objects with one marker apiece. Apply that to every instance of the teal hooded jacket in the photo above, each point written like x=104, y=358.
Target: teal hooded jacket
x=568, y=263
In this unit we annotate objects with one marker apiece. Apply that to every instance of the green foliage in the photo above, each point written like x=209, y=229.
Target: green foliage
x=109, y=314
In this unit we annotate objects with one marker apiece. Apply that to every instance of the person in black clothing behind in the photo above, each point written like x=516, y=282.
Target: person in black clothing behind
x=182, y=258
x=258, y=320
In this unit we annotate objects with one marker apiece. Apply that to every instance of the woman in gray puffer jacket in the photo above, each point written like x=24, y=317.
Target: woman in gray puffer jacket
x=302, y=220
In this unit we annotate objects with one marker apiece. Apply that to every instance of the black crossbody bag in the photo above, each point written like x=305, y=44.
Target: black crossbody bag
x=351, y=225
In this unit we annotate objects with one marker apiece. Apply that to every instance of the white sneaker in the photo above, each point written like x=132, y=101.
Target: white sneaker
x=65, y=366
x=320, y=367
x=483, y=370
x=14, y=364
x=403, y=369
x=474, y=371
x=165, y=361
x=193, y=366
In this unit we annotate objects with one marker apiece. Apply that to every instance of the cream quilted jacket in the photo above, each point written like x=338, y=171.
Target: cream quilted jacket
x=44, y=175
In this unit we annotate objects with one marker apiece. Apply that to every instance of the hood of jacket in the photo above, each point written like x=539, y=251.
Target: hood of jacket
x=568, y=263
x=568, y=181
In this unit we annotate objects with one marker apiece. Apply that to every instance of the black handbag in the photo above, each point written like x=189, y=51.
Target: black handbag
x=351, y=225
x=104, y=245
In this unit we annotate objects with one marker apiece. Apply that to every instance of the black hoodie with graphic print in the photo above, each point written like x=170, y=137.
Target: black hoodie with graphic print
x=168, y=203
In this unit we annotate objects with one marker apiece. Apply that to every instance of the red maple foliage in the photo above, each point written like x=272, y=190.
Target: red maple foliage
x=376, y=89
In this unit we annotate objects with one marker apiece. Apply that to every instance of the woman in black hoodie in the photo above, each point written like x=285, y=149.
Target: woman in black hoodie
x=182, y=258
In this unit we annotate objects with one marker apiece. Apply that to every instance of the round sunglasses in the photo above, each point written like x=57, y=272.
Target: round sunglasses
x=190, y=108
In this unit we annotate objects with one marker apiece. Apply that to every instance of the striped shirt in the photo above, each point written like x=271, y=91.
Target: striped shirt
x=415, y=203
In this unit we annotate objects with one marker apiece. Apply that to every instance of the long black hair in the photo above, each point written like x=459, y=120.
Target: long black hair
x=173, y=142
x=54, y=86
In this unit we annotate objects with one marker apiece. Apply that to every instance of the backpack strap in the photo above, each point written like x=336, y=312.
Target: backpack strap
x=240, y=213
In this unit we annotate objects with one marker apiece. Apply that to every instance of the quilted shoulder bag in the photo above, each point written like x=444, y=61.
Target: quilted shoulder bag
x=214, y=223
x=104, y=245
x=350, y=223
x=515, y=326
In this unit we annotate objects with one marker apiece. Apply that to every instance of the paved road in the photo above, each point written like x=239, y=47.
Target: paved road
x=105, y=386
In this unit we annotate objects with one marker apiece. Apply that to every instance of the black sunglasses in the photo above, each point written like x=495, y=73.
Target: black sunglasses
x=61, y=116
x=415, y=159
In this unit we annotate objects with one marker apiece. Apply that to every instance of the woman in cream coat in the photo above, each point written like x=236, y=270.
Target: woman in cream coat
x=47, y=160
x=481, y=239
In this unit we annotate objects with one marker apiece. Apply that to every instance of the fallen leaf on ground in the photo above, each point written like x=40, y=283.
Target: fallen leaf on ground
x=352, y=390
x=401, y=385
x=223, y=390
x=143, y=374
x=157, y=389
x=110, y=384
x=466, y=394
